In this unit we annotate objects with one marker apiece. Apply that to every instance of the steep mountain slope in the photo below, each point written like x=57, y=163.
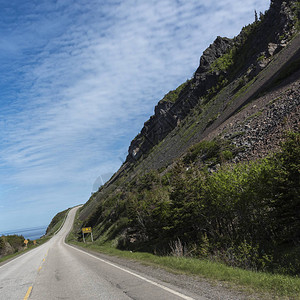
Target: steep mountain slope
x=237, y=107
x=226, y=63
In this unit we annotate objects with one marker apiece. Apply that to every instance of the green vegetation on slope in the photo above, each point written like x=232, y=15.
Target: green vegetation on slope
x=172, y=96
x=296, y=10
x=245, y=215
x=216, y=151
x=13, y=245
x=56, y=222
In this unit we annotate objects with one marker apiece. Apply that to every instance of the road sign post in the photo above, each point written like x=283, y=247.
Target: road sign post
x=87, y=230
x=25, y=242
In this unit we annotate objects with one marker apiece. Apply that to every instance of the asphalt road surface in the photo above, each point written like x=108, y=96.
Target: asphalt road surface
x=56, y=270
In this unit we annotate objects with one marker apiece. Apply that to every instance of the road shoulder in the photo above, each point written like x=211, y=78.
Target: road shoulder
x=203, y=287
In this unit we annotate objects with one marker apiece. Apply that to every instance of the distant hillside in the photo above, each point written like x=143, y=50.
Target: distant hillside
x=56, y=222
x=215, y=170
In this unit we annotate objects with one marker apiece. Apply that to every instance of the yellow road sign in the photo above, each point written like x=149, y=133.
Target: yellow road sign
x=26, y=242
x=34, y=242
x=87, y=229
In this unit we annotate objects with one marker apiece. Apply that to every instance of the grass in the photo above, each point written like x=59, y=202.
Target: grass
x=7, y=257
x=38, y=241
x=269, y=285
x=262, y=57
x=237, y=134
x=189, y=132
x=274, y=100
x=241, y=91
x=224, y=62
x=256, y=114
x=59, y=223
x=24, y=250
x=172, y=96
x=57, y=220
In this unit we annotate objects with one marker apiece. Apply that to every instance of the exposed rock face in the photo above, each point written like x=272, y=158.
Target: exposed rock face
x=214, y=51
x=259, y=129
x=205, y=78
x=154, y=130
x=168, y=115
x=265, y=40
x=282, y=12
x=272, y=48
x=7, y=249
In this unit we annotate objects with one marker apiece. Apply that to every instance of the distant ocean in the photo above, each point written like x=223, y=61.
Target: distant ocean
x=28, y=233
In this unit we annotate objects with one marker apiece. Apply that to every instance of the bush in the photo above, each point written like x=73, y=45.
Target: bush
x=172, y=96
x=2, y=243
x=245, y=214
x=205, y=150
x=16, y=241
x=215, y=151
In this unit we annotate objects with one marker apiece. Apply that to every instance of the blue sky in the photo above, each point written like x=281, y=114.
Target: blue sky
x=79, y=79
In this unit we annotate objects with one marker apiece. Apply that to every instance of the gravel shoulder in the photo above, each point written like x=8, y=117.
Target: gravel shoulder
x=209, y=289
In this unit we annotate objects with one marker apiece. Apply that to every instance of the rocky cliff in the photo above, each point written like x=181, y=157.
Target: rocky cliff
x=168, y=114
x=242, y=57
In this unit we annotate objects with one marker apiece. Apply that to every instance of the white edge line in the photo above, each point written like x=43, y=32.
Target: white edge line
x=136, y=275
x=66, y=215
x=23, y=254
x=62, y=224
x=39, y=246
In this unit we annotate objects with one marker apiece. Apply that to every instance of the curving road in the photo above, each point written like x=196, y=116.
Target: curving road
x=56, y=270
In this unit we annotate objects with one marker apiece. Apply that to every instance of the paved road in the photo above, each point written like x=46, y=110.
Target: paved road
x=56, y=270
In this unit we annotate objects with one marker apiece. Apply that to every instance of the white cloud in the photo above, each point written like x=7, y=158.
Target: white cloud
x=83, y=78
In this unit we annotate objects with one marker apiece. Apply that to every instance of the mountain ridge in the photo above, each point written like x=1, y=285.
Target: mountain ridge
x=236, y=108
x=209, y=75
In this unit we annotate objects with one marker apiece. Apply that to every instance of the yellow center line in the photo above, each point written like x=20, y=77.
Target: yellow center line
x=41, y=266
x=28, y=293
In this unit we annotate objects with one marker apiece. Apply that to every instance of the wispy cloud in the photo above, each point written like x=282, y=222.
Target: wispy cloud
x=78, y=81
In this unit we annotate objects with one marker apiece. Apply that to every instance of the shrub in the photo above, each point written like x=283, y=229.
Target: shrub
x=245, y=214
x=2, y=243
x=172, y=96
x=16, y=241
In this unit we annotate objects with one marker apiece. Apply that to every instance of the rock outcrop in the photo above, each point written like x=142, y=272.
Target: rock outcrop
x=247, y=55
x=167, y=115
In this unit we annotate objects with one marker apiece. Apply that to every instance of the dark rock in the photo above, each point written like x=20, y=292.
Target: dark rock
x=214, y=51
x=265, y=39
